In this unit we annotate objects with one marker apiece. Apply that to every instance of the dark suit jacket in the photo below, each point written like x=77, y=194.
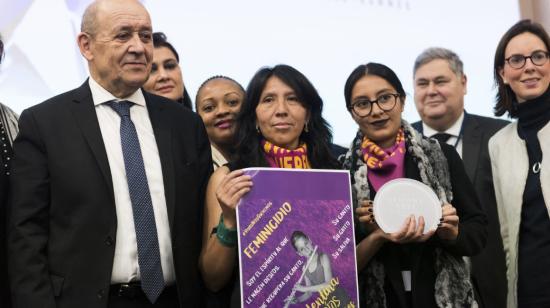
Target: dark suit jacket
x=63, y=220
x=337, y=150
x=489, y=266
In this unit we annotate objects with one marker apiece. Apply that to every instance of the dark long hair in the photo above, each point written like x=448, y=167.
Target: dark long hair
x=505, y=96
x=318, y=137
x=1, y=49
x=160, y=40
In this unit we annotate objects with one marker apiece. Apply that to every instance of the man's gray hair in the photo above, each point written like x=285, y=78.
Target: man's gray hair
x=435, y=53
x=89, y=19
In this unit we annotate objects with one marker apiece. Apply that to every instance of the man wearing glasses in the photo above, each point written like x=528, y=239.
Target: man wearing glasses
x=439, y=88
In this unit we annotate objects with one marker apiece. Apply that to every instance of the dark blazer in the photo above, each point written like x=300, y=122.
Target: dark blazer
x=4, y=285
x=8, y=120
x=489, y=266
x=421, y=256
x=63, y=220
x=337, y=150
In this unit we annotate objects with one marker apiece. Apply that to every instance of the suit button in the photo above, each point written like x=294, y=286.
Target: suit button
x=109, y=241
x=100, y=294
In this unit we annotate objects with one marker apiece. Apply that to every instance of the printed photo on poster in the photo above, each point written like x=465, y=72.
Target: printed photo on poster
x=296, y=240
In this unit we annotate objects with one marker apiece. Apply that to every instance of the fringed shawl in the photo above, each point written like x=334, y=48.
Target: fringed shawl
x=452, y=284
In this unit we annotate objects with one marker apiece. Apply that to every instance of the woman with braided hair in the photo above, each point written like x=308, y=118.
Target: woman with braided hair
x=408, y=268
x=218, y=102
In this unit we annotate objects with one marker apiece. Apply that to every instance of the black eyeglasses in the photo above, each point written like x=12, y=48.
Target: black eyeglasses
x=538, y=58
x=363, y=107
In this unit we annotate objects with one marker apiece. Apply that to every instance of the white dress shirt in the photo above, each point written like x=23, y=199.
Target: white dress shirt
x=125, y=263
x=454, y=131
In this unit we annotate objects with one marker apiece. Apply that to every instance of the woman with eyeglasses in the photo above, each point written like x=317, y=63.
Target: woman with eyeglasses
x=407, y=268
x=521, y=176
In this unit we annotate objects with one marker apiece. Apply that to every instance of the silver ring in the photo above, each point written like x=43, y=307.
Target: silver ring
x=536, y=167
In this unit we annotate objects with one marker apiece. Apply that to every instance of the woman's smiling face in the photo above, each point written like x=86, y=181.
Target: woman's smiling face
x=530, y=81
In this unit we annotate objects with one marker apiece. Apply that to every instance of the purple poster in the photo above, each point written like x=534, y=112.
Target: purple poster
x=296, y=240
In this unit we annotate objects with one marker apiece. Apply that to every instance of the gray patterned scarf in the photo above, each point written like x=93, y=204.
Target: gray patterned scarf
x=9, y=122
x=452, y=285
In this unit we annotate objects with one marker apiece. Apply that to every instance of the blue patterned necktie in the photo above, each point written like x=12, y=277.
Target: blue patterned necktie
x=152, y=280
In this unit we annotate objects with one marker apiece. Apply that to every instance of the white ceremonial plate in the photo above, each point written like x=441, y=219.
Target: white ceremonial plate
x=398, y=199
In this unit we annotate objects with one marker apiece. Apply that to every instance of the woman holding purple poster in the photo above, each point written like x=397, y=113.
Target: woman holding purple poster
x=408, y=268
x=279, y=126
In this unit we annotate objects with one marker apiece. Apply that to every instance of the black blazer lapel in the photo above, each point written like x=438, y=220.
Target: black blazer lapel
x=411, y=168
x=418, y=126
x=83, y=110
x=471, y=141
x=163, y=136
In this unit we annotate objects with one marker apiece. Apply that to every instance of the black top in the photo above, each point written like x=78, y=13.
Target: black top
x=534, y=233
x=6, y=155
x=337, y=150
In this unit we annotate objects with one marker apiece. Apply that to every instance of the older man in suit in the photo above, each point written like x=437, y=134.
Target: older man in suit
x=439, y=88
x=108, y=182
